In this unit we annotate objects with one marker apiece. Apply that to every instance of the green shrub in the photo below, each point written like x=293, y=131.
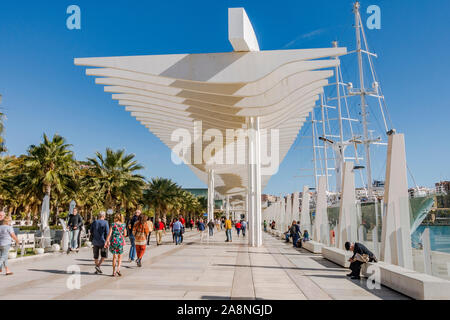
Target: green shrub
x=29, y=228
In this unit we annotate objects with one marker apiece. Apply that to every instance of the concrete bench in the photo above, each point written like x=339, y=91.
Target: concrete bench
x=419, y=286
x=26, y=241
x=337, y=256
x=312, y=246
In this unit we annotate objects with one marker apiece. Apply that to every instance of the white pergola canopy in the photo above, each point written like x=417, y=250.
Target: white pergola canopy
x=223, y=91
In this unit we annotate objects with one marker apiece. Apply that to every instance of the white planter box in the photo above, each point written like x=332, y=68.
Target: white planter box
x=313, y=246
x=413, y=284
x=39, y=251
x=337, y=256
x=12, y=255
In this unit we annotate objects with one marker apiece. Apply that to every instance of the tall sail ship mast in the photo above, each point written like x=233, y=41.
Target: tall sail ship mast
x=341, y=143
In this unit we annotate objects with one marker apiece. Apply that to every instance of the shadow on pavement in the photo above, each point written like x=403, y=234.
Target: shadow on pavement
x=84, y=273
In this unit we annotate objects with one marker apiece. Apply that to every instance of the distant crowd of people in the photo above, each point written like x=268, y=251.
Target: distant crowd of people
x=107, y=237
x=138, y=229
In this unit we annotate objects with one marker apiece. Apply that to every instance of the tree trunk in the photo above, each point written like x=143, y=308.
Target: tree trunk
x=48, y=189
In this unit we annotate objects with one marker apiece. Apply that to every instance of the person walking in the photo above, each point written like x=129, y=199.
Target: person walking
x=244, y=228
x=159, y=227
x=133, y=220
x=150, y=229
x=87, y=230
x=116, y=241
x=176, y=229
x=74, y=225
x=211, y=228
x=191, y=223
x=6, y=236
x=99, y=233
x=82, y=229
x=238, y=227
x=265, y=226
x=217, y=222
x=201, y=228
x=171, y=229
x=183, y=228
x=140, y=233
x=228, y=228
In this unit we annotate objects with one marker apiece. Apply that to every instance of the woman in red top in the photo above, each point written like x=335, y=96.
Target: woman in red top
x=238, y=227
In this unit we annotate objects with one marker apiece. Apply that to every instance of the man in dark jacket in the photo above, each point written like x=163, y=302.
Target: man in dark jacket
x=211, y=227
x=360, y=254
x=74, y=225
x=295, y=233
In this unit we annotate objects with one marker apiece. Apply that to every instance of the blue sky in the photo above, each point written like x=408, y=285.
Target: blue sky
x=44, y=92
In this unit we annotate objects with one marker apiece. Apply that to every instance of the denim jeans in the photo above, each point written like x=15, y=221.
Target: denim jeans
x=295, y=238
x=177, y=235
x=211, y=231
x=4, y=250
x=243, y=231
x=132, y=254
x=228, y=232
x=238, y=231
x=73, y=239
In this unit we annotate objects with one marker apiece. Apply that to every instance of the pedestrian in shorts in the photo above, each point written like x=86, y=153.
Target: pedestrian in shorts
x=99, y=233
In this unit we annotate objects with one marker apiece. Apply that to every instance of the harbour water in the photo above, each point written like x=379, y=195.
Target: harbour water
x=439, y=238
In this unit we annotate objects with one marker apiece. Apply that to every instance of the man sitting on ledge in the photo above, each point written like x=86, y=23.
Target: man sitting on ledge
x=360, y=255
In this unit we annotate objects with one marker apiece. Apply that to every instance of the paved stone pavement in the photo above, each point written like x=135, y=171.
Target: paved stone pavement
x=213, y=269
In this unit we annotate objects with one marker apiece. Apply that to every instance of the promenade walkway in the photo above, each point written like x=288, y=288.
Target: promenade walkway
x=209, y=270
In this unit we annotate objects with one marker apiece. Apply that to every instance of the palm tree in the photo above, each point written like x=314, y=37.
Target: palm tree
x=2, y=129
x=114, y=178
x=48, y=166
x=47, y=169
x=161, y=194
x=203, y=201
x=8, y=170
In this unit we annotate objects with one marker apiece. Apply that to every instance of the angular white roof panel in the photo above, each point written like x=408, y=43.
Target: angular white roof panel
x=167, y=92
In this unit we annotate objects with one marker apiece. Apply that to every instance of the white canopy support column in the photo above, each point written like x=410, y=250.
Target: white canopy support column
x=396, y=236
x=305, y=218
x=240, y=32
x=228, y=207
x=246, y=208
x=254, y=181
x=296, y=207
x=289, y=209
x=211, y=202
x=427, y=253
x=347, y=224
x=321, y=227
